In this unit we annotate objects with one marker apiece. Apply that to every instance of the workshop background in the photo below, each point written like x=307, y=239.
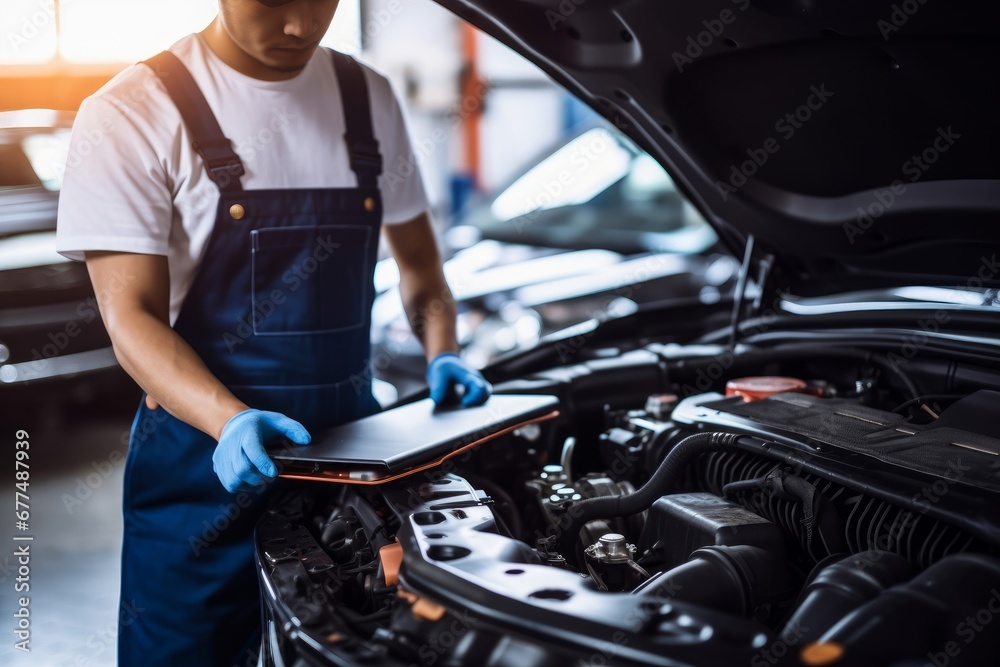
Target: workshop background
x=495, y=139
x=477, y=112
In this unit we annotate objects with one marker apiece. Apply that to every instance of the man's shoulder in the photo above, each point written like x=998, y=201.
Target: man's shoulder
x=138, y=87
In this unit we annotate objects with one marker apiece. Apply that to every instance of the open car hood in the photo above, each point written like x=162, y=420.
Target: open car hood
x=855, y=140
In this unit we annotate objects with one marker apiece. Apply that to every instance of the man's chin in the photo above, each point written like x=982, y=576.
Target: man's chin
x=287, y=61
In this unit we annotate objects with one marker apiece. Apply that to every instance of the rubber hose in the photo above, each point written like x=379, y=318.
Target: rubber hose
x=666, y=476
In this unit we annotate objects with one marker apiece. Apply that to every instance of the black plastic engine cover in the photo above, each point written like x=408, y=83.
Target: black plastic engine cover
x=942, y=451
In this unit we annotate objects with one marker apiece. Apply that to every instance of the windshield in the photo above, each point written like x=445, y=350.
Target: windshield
x=595, y=189
x=575, y=173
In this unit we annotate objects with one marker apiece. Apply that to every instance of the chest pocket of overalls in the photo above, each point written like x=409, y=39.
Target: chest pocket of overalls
x=310, y=279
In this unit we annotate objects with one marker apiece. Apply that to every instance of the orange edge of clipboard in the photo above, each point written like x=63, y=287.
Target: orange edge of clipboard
x=341, y=477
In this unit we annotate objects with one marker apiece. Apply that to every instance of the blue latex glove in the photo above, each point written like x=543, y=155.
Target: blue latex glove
x=446, y=371
x=240, y=460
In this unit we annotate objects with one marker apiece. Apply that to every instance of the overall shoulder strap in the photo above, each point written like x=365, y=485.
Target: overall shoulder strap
x=221, y=161
x=362, y=147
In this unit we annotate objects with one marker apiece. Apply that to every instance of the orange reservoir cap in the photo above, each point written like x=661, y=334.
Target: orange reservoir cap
x=756, y=388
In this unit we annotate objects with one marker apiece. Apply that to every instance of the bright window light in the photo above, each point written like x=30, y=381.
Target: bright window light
x=27, y=31
x=345, y=31
x=124, y=31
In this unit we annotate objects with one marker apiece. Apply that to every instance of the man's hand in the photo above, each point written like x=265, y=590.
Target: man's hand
x=447, y=371
x=240, y=460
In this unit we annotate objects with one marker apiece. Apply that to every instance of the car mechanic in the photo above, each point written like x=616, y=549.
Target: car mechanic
x=206, y=236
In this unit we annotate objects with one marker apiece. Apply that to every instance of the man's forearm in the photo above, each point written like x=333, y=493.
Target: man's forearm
x=429, y=304
x=136, y=311
x=431, y=312
x=170, y=372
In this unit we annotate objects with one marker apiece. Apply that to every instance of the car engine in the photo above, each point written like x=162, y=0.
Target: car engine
x=692, y=505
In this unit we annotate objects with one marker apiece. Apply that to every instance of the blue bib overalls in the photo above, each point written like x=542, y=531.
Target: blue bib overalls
x=280, y=312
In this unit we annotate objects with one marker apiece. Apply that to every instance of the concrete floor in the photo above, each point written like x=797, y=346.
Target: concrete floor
x=75, y=504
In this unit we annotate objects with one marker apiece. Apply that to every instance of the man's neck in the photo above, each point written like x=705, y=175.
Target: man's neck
x=223, y=46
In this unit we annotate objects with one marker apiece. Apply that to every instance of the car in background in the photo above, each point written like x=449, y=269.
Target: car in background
x=593, y=229
x=52, y=338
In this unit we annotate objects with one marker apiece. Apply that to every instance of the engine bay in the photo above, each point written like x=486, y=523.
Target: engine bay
x=692, y=505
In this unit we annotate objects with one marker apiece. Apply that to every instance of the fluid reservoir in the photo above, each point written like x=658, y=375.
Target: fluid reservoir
x=758, y=387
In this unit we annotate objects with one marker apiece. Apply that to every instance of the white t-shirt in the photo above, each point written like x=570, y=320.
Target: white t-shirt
x=133, y=182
